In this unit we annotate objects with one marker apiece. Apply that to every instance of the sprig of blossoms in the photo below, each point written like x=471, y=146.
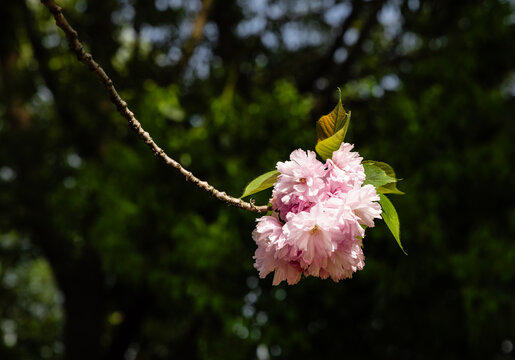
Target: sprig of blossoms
x=320, y=211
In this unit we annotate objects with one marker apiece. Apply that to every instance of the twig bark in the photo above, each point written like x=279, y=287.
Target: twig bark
x=326, y=63
x=134, y=124
x=356, y=50
x=196, y=34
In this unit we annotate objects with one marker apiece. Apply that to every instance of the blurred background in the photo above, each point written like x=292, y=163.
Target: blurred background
x=106, y=253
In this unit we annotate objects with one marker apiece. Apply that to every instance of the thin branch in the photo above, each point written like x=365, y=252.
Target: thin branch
x=356, y=50
x=134, y=124
x=196, y=33
x=326, y=62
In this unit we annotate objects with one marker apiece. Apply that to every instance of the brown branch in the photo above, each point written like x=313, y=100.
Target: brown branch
x=326, y=64
x=356, y=50
x=196, y=33
x=134, y=124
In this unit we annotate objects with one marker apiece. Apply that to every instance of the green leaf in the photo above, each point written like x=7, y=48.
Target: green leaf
x=261, y=183
x=328, y=125
x=391, y=218
x=390, y=188
x=376, y=176
x=325, y=148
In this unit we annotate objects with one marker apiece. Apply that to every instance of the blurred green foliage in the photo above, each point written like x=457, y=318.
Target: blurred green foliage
x=106, y=253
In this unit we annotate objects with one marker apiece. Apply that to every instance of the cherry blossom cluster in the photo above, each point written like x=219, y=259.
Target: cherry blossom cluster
x=320, y=212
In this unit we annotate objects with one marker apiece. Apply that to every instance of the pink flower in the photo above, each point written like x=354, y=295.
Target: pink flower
x=328, y=238
x=267, y=261
x=273, y=254
x=300, y=181
x=347, y=220
x=362, y=201
x=294, y=205
x=345, y=169
x=268, y=232
x=345, y=261
x=322, y=209
x=313, y=232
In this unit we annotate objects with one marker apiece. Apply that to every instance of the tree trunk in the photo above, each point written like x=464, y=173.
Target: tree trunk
x=84, y=310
